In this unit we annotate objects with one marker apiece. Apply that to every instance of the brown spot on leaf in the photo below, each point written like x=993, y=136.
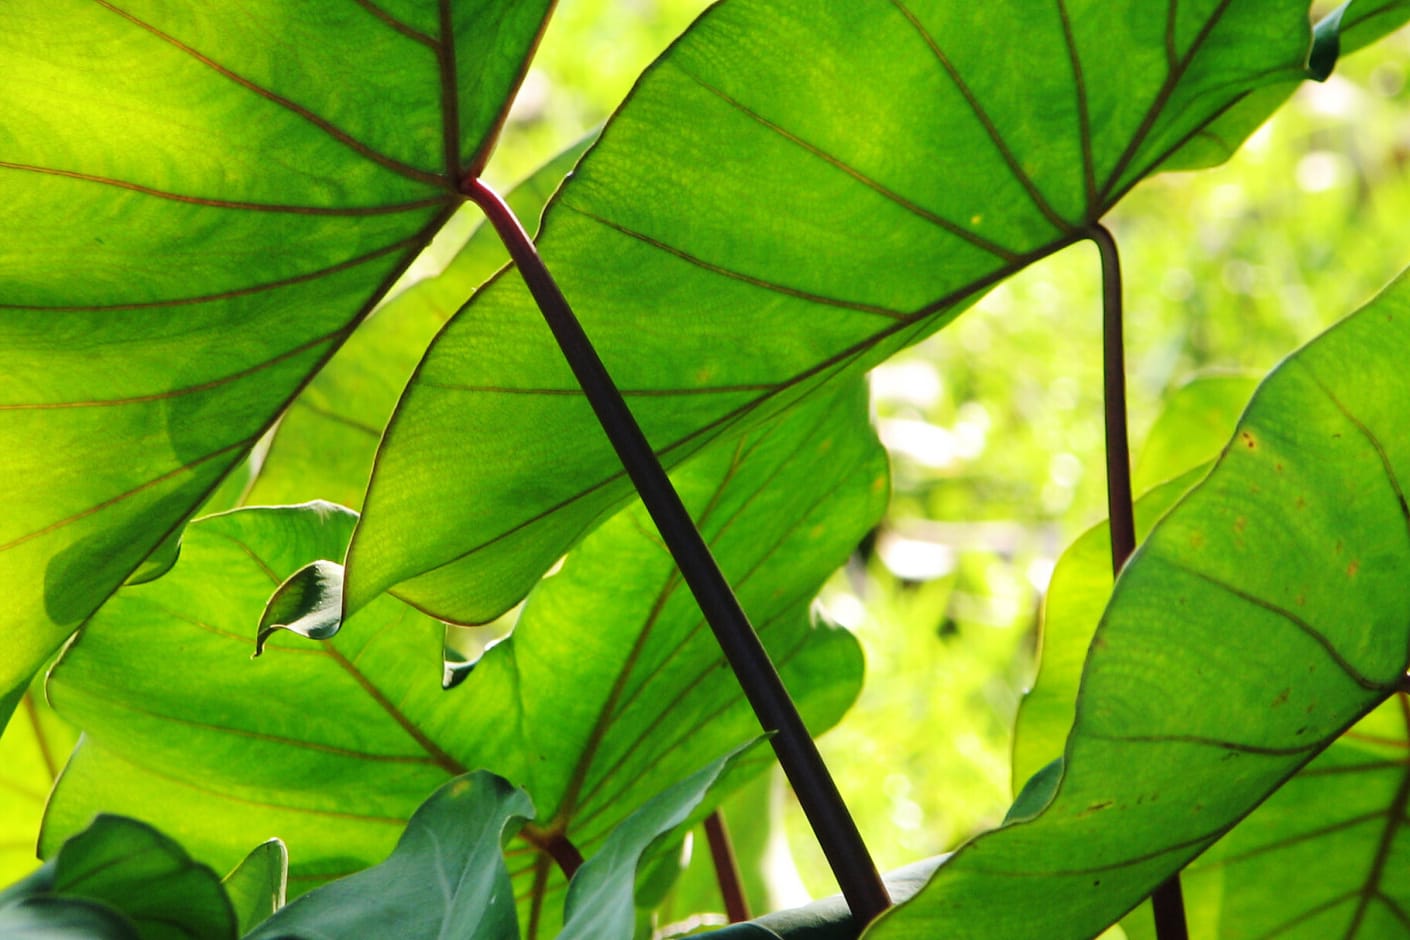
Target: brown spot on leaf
x=1352, y=568
x=1281, y=698
x=1240, y=524
x=1249, y=440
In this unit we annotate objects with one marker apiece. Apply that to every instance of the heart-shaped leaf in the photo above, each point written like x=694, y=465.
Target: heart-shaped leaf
x=610, y=688
x=1265, y=615
x=201, y=202
x=857, y=171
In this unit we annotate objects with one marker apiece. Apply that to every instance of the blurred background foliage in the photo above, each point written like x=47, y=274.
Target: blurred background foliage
x=994, y=425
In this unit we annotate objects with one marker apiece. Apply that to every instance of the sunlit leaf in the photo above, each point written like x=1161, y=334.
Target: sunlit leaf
x=1077, y=594
x=201, y=202
x=325, y=442
x=256, y=887
x=1265, y=615
x=792, y=193
x=32, y=750
x=446, y=877
x=1194, y=424
x=610, y=689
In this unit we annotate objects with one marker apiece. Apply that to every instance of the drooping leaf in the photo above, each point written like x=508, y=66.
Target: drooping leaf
x=1265, y=615
x=257, y=886
x=610, y=688
x=325, y=442
x=134, y=870
x=857, y=171
x=201, y=202
x=446, y=878
x=308, y=602
x=601, y=898
x=32, y=750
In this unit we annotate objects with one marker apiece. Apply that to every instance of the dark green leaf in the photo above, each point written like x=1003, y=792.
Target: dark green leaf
x=50, y=918
x=601, y=898
x=829, y=919
x=446, y=877
x=136, y=871
x=308, y=602
x=257, y=885
x=201, y=202
x=1265, y=615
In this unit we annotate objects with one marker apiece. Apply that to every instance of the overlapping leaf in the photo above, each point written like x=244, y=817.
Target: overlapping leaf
x=791, y=193
x=610, y=688
x=1265, y=615
x=325, y=442
x=200, y=202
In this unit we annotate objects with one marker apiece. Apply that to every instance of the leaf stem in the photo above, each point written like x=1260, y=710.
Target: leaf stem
x=726, y=868
x=1168, y=900
x=832, y=824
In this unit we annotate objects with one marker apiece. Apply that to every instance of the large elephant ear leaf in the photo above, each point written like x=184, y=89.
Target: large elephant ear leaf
x=1265, y=615
x=201, y=201
x=791, y=193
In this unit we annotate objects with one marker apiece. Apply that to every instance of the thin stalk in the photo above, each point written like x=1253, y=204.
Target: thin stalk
x=726, y=868
x=832, y=824
x=1168, y=900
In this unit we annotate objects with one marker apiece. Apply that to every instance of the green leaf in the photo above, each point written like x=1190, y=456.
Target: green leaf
x=324, y=444
x=202, y=201
x=256, y=887
x=857, y=172
x=446, y=877
x=1077, y=594
x=1319, y=857
x=32, y=750
x=1195, y=422
x=46, y=918
x=610, y=688
x=134, y=870
x=602, y=895
x=308, y=602
x=829, y=918
x=1264, y=616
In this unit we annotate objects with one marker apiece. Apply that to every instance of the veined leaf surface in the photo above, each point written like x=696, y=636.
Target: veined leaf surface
x=791, y=193
x=1265, y=615
x=200, y=203
x=610, y=688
